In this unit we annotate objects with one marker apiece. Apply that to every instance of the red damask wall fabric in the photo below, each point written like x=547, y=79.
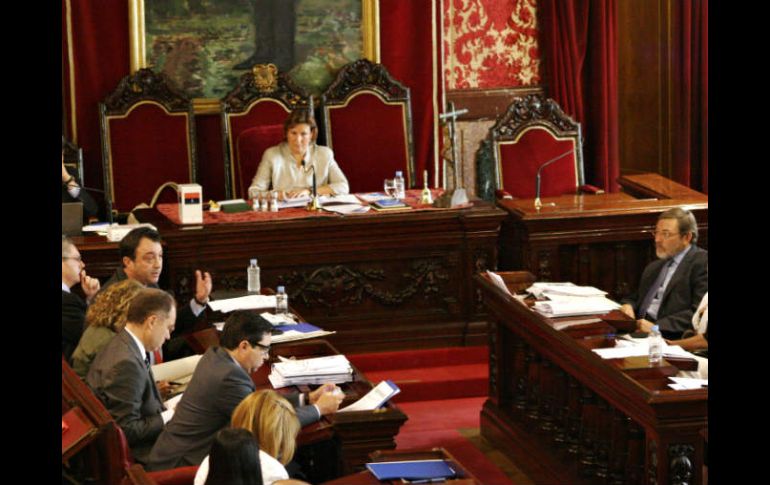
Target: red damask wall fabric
x=579, y=60
x=490, y=43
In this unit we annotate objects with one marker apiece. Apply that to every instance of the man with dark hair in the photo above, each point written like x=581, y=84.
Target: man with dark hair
x=121, y=375
x=672, y=286
x=141, y=253
x=73, y=308
x=220, y=382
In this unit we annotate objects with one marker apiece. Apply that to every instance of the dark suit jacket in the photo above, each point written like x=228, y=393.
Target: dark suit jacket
x=73, y=317
x=683, y=294
x=186, y=322
x=119, y=377
x=218, y=385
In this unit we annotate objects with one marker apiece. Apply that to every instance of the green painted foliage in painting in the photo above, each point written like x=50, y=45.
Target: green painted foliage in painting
x=198, y=43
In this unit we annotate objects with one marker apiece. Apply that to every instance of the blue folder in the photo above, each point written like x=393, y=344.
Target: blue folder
x=411, y=470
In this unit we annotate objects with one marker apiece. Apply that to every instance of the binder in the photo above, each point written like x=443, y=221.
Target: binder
x=412, y=470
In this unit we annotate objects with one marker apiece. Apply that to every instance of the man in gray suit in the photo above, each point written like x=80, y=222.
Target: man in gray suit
x=121, y=376
x=221, y=380
x=672, y=286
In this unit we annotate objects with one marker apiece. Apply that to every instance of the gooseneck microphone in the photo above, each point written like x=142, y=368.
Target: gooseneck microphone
x=538, y=204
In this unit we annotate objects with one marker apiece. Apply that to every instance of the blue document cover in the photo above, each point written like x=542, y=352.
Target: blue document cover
x=389, y=203
x=411, y=470
x=303, y=327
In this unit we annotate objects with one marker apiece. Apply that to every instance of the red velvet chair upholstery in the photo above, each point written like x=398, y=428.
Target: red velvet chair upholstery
x=137, y=475
x=148, y=138
x=107, y=456
x=367, y=118
x=533, y=131
x=253, y=114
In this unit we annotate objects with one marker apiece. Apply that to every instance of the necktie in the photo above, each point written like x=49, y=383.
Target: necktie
x=654, y=289
x=147, y=360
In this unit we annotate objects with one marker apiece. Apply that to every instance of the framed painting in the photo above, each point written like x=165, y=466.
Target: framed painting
x=205, y=46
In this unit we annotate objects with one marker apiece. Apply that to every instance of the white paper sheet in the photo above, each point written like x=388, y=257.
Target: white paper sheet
x=250, y=302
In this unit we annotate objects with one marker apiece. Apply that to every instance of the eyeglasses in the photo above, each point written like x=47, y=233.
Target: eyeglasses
x=79, y=259
x=265, y=348
x=664, y=234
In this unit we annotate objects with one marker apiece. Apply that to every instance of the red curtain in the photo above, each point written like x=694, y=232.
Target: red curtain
x=690, y=76
x=579, y=59
x=406, y=43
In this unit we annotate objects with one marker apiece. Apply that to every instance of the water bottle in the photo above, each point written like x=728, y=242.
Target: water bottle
x=281, y=301
x=399, y=185
x=252, y=277
x=655, y=341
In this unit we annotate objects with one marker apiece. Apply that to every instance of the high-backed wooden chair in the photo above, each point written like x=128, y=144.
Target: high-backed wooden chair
x=105, y=455
x=148, y=138
x=73, y=159
x=367, y=117
x=253, y=114
x=533, y=132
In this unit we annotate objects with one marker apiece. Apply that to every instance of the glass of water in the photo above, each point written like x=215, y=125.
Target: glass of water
x=390, y=188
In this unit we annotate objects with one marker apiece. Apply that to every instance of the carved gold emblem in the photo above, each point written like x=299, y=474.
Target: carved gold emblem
x=265, y=77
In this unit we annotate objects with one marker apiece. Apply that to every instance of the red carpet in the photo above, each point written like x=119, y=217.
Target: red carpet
x=442, y=390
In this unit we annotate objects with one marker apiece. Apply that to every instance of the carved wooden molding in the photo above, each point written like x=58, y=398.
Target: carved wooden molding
x=142, y=85
x=334, y=286
x=681, y=457
x=529, y=109
x=364, y=74
x=265, y=82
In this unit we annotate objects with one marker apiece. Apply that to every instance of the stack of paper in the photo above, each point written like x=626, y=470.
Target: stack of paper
x=568, y=299
x=282, y=319
x=332, y=368
x=250, y=302
x=374, y=399
x=300, y=331
x=498, y=281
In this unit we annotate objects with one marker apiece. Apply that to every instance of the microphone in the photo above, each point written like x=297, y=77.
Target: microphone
x=538, y=204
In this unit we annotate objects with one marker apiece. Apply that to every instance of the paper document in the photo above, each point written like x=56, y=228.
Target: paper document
x=683, y=383
x=580, y=306
x=571, y=289
x=498, y=281
x=561, y=325
x=347, y=209
x=250, y=302
x=341, y=199
x=372, y=196
x=290, y=372
x=179, y=370
x=231, y=201
x=286, y=319
x=379, y=395
x=296, y=202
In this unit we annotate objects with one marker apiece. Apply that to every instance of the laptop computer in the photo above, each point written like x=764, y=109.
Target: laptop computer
x=71, y=218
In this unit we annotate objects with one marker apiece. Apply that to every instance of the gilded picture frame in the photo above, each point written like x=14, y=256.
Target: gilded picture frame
x=204, y=64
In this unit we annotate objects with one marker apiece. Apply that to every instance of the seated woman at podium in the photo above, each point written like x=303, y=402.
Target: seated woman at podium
x=289, y=167
x=272, y=421
x=697, y=340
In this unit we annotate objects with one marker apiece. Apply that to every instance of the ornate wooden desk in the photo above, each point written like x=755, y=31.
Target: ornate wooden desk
x=599, y=240
x=565, y=415
x=381, y=280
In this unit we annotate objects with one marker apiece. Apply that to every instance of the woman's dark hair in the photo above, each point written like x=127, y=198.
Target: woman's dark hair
x=301, y=117
x=234, y=459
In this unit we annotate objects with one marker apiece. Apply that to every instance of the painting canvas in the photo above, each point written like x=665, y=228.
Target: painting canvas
x=206, y=45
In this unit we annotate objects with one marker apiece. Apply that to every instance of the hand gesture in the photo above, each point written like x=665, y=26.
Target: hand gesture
x=89, y=285
x=203, y=286
x=628, y=310
x=644, y=325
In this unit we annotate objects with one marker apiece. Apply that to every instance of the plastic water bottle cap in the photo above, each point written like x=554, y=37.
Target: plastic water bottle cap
x=280, y=289
x=656, y=328
x=254, y=262
x=399, y=173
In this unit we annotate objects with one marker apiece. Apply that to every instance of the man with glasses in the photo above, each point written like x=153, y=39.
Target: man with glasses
x=73, y=308
x=221, y=380
x=672, y=286
x=141, y=254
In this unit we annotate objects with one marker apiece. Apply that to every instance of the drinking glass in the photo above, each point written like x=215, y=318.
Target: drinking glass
x=390, y=188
